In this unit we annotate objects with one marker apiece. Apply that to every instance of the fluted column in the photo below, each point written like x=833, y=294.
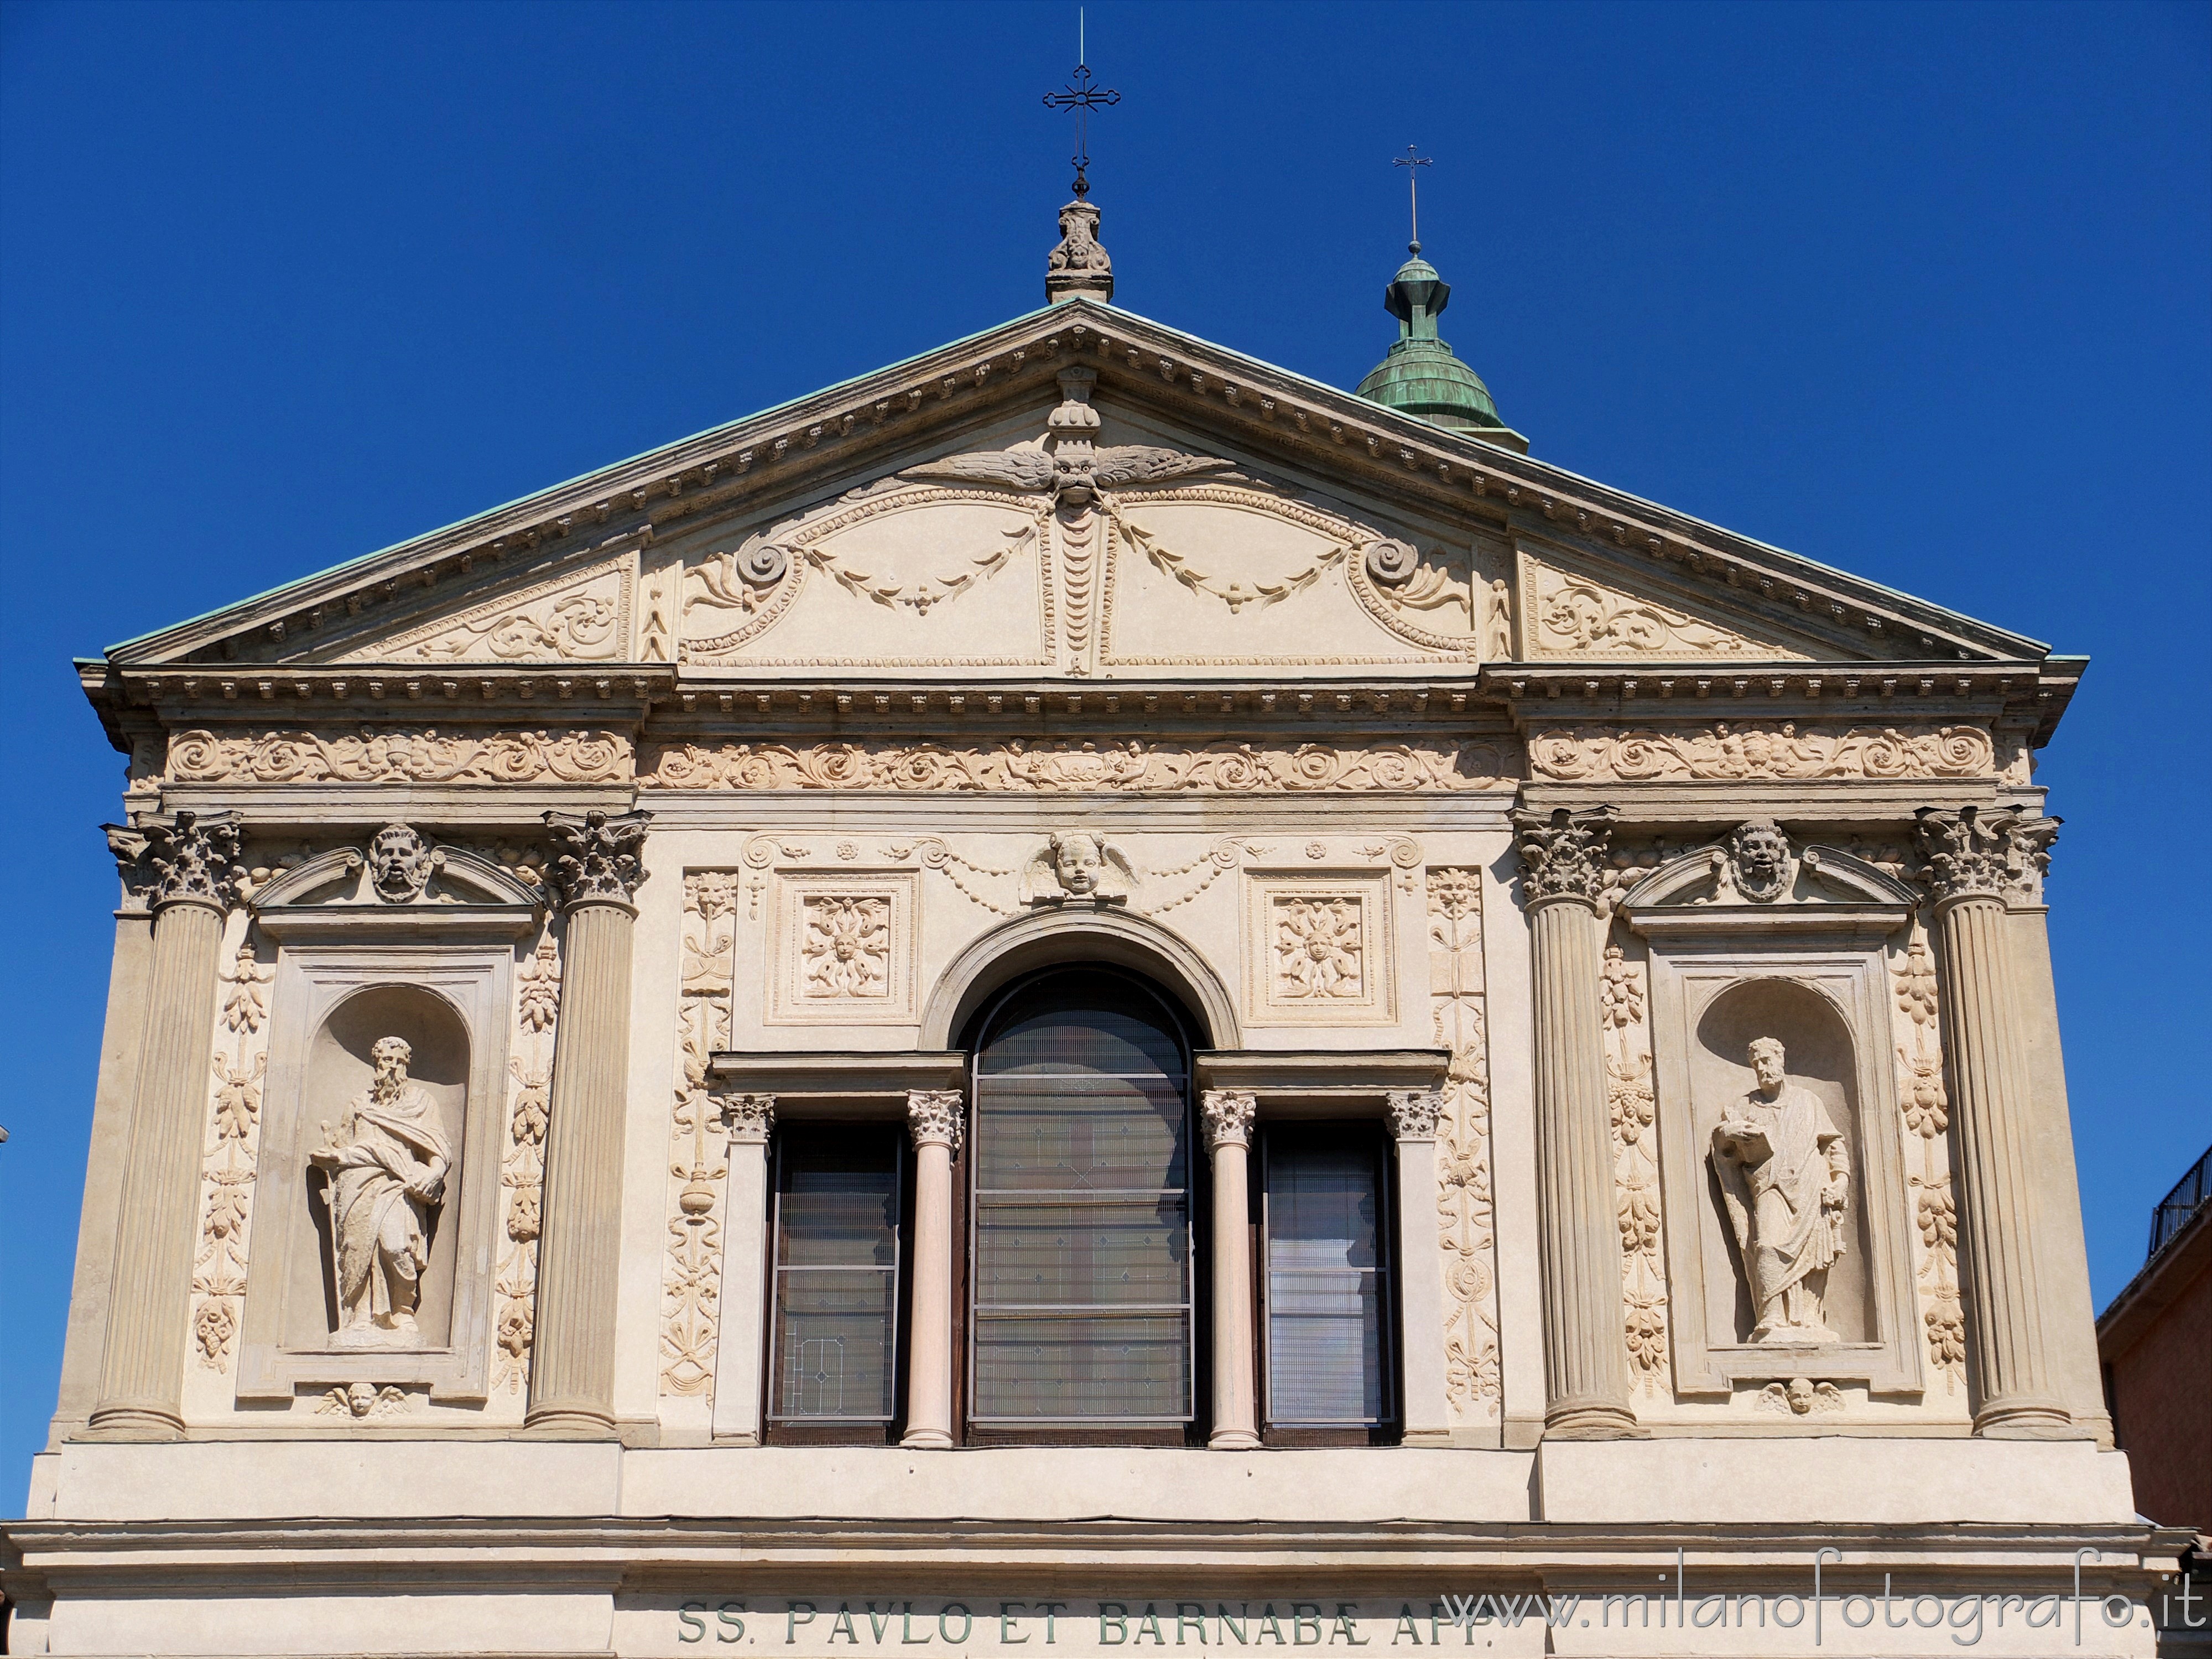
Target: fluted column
x=748, y=1120
x=595, y=871
x=194, y=863
x=1585, y=1347
x=1973, y=860
x=1226, y=1115
x=933, y=1117
x=1413, y=1114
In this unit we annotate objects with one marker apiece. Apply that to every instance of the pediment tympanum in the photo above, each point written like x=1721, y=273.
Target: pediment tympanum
x=1572, y=611
x=1064, y=556
x=581, y=610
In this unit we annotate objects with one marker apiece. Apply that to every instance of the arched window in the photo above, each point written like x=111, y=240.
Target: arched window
x=1082, y=1302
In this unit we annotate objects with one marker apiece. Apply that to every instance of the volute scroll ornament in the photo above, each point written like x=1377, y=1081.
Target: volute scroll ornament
x=1563, y=852
x=595, y=860
x=1972, y=854
x=1392, y=563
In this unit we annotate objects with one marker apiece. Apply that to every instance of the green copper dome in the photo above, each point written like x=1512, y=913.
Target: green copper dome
x=1420, y=377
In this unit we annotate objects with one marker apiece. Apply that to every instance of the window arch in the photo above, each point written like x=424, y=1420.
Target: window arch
x=1083, y=1302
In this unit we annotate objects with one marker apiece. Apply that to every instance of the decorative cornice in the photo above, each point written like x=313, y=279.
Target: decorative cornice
x=1563, y=852
x=934, y=1118
x=1226, y=1115
x=1413, y=1113
x=596, y=860
x=1977, y=854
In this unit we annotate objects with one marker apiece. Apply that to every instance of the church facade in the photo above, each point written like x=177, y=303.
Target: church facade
x=1083, y=994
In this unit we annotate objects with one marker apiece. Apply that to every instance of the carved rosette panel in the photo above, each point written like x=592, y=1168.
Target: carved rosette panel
x=240, y=1064
x=691, y=1275
x=1630, y=1099
x=416, y=757
x=1720, y=752
x=1926, y=1111
x=1465, y=1229
x=522, y=1162
x=1226, y=767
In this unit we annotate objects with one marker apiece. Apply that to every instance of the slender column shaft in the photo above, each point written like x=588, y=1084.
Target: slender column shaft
x=191, y=859
x=933, y=1117
x=1420, y=1270
x=572, y=1383
x=2008, y=1349
x=1586, y=1355
x=738, y=1345
x=141, y=1373
x=1227, y=1117
x=572, y=1379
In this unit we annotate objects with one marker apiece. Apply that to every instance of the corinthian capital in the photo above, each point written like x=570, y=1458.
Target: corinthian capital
x=1563, y=852
x=747, y=1118
x=1413, y=1113
x=1971, y=853
x=190, y=859
x=1226, y=1115
x=933, y=1117
x=595, y=859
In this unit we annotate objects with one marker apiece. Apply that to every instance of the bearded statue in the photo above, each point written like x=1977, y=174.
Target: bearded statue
x=384, y=1169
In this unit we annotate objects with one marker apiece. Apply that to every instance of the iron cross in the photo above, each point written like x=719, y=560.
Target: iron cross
x=1410, y=160
x=1079, y=95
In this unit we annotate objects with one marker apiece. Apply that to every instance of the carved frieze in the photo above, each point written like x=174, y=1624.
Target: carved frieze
x=1722, y=751
x=423, y=755
x=1135, y=767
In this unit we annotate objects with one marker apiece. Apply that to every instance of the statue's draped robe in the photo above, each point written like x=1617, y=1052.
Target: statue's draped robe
x=1774, y=1205
x=392, y=1141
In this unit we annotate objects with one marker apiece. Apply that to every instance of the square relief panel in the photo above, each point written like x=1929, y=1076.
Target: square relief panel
x=1319, y=949
x=842, y=948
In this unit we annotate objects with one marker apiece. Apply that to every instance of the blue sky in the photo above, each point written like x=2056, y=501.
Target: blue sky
x=1919, y=292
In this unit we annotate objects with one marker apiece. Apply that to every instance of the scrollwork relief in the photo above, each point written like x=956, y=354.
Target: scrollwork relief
x=228, y=1166
x=1574, y=617
x=1631, y=1104
x=522, y=1163
x=369, y=756
x=1226, y=767
x=1723, y=751
x=691, y=1275
x=1466, y=1231
x=1927, y=1111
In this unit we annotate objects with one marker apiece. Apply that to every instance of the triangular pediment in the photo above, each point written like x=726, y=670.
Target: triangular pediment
x=1079, y=494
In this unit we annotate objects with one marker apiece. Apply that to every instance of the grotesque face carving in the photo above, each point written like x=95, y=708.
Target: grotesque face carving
x=1759, y=854
x=400, y=862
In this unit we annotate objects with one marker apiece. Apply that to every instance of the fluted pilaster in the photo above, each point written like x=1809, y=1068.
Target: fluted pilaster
x=1974, y=861
x=1586, y=1381
x=595, y=872
x=1226, y=1115
x=193, y=863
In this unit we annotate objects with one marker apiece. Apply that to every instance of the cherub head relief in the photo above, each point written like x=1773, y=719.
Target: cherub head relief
x=401, y=861
x=1077, y=865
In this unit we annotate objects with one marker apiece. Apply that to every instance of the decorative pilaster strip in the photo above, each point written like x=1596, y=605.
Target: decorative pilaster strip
x=1974, y=861
x=595, y=870
x=192, y=862
x=233, y=1148
x=934, y=1118
x=1630, y=1105
x=1927, y=1111
x=690, y=1280
x=522, y=1166
x=1585, y=1361
x=1225, y=1118
x=1465, y=1232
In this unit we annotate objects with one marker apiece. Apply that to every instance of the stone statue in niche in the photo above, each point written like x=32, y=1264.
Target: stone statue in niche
x=384, y=1168
x=1077, y=865
x=1785, y=1174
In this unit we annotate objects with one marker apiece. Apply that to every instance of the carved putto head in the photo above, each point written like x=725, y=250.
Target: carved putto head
x=401, y=862
x=1077, y=865
x=1759, y=866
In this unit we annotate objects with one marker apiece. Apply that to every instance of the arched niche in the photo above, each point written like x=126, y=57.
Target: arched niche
x=339, y=1070
x=1819, y=1057
x=1060, y=936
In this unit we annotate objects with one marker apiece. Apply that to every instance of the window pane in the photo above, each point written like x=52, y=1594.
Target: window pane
x=1081, y=1023
x=835, y=1323
x=1080, y=1133
x=1327, y=1299
x=1059, y=1367
x=1082, y=1255
x=836, y=1333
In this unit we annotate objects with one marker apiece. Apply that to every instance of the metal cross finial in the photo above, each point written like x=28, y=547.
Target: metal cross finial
x=1082, y=97
x=1412, y=159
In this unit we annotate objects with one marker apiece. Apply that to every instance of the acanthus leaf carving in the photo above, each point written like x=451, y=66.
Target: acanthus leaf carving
x=423, y=756
x=193, y=858
x=1974, y=854
x=1226, y=1115
x=1573, y=615
x=1563, y=852
x=596, y=858
x=1723, y=752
